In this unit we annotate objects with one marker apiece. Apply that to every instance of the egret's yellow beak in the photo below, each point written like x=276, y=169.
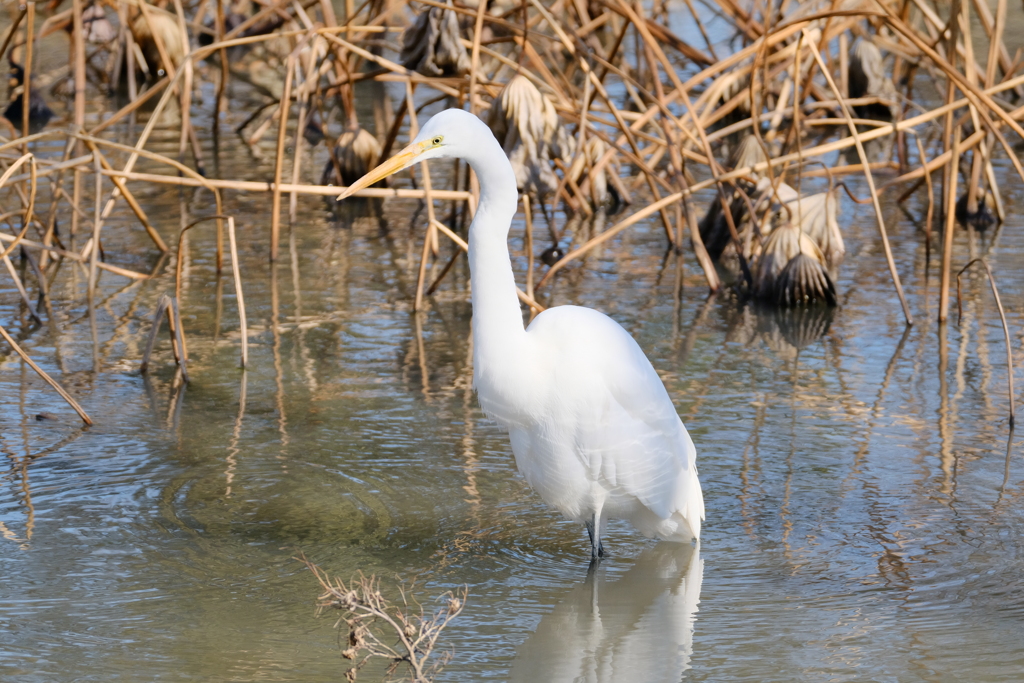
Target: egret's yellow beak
x=400, y=161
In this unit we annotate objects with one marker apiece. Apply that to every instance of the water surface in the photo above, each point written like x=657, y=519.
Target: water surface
x=863, y=489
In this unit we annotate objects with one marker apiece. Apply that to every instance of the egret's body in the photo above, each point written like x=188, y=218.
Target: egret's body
x=592, y=427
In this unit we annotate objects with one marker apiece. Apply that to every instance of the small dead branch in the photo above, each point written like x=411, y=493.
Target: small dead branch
x=403, y=633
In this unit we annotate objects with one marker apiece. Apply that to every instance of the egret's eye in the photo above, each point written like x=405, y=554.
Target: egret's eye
x=437, y=140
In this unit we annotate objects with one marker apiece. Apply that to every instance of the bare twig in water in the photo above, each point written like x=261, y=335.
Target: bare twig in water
x=403, y=633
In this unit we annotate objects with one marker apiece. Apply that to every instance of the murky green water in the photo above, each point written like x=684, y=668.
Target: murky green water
x=864, y=508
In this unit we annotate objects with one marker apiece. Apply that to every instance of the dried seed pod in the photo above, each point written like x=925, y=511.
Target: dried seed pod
x=432, y=45
x=867, y=78
x=593, y=149
x=525, y=123
x=766, y=200
x=817, y=216
x=769, y=193
x=804, y=280
x=356, y=153
x=791, y=269
x=731, y=85
x=98, y=29
x=163, y=24
x=747, y=154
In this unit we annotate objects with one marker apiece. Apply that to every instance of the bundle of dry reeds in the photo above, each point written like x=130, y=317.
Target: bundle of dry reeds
x=594, y=101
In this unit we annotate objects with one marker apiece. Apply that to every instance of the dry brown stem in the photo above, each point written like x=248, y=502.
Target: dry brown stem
x=870, y=180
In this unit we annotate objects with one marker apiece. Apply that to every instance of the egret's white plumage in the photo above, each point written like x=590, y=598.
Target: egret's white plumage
x=591, y=424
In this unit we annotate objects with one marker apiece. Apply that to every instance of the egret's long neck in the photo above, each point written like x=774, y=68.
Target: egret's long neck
x=497, y=318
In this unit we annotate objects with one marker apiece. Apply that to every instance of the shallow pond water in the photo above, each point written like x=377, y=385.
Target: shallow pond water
x=863, y=490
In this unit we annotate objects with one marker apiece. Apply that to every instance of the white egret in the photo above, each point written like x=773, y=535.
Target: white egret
x=592, y=427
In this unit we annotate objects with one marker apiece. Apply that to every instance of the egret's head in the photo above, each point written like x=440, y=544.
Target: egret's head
x=445, y=135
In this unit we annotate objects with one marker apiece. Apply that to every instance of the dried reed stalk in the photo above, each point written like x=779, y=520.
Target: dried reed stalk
x=22, y=11
x=174, y=322
x=950, y=226
x=320, y=190
x=129, y=198
x=478, y=24
x=236, y=271
x=223, y=57
x=136, y=152
x=300, y=126
x=4, y=256
x=26, y=221
x=30, y=43
x=930, y=215
x=30, y=244
x=49, y=380
x=430, y=240
x=78, y=39
x=275, y=211
x=97, y=226
x=880, y=220
x=186, y=88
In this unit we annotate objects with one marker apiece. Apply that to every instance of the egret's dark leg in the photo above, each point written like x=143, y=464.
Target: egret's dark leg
x=594, y=531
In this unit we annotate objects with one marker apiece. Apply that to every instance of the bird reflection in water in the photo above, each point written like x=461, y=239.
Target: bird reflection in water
x=636, y=626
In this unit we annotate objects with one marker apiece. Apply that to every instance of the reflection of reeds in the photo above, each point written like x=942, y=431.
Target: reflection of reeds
x=1002, y=319
x=167, y=306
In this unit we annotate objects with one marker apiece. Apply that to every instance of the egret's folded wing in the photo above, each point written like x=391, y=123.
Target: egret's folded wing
x=627, y=430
